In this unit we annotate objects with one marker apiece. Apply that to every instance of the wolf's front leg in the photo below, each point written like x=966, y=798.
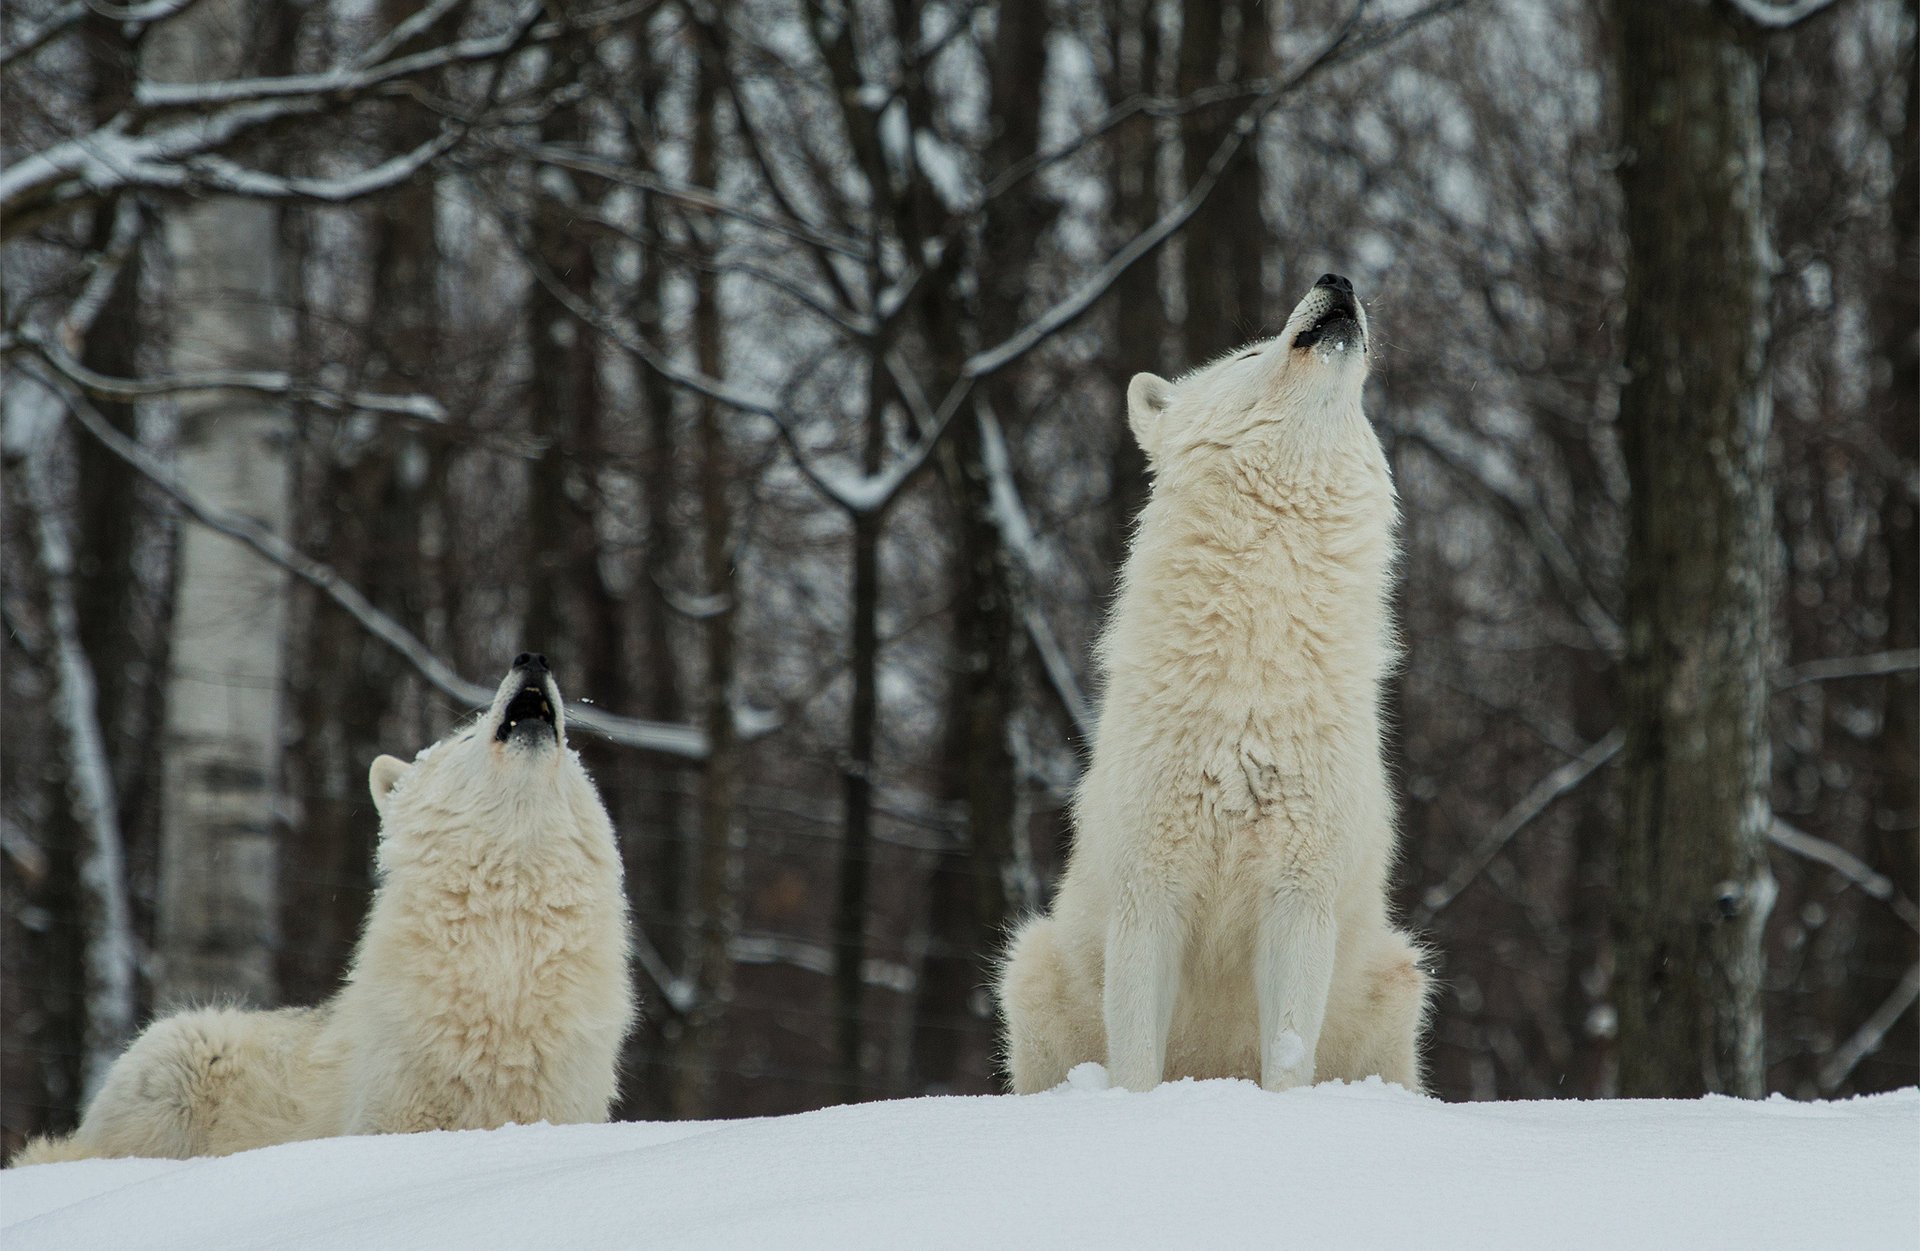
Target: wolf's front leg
x=1144, y=939
x=1292, y=974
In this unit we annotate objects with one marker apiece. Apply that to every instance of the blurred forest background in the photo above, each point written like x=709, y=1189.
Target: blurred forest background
x=763, y=364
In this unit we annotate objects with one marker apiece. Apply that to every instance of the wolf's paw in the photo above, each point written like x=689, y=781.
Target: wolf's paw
x=1087, y=1078
x=1288, y=1063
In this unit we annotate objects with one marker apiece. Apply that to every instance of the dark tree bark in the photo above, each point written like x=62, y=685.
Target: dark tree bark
x=715, y=912
x=1222, y=41
x=991, y=654
x=1694, y=888
x=856, y=785
x=1887, y=944
x=1139, y=311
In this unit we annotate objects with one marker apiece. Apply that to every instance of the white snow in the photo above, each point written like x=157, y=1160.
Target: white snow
x=1188, y=1165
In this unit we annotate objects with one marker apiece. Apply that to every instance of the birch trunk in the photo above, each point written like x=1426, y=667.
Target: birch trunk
x=1694, y=888
x=216, y=922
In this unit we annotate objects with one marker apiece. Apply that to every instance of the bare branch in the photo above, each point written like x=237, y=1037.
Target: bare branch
x=1779, y=16
x=263, y=382
x=68, y=16
x=816, y=958
x=854, y=494
x=217, y=174
x=1833, y=668
x=679, y=742
x=1542, y=795
x=1493, y=472
x=694, y=197
x=1846, y=864
x=1089, y=292
x=1867, y=1039
x=185, y=154
x=128, y=224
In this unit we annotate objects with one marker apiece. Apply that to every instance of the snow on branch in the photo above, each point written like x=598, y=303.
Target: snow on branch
x=110, y=158
x=1016, y=534
x=68, y=16
x=680, y=742
x=218, y=174
x=263, y=382
x=128, y=225
x=187, y=153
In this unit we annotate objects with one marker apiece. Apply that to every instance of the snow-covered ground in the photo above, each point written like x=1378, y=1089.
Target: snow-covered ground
x=1208, y=1164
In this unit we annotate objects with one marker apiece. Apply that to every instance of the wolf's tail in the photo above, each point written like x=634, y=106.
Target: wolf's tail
x=50, y=1151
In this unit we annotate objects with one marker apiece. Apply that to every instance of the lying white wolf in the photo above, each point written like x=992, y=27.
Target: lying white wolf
x=1224, y=911
x=491, y=984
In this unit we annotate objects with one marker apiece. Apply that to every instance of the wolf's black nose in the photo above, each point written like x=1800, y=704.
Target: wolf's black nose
x=531, y=660
x=1336, y=282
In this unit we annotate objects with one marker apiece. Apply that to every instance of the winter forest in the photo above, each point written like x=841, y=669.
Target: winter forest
x=764, y=364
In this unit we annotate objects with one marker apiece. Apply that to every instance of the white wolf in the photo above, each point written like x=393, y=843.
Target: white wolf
x=491, y=983
x=1224, y=910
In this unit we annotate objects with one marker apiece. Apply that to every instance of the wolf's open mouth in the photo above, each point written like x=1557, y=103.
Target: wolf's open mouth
x=531, y=705
x=1340, y=321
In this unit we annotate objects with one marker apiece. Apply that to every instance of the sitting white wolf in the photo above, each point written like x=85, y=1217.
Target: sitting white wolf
x=1224, y=910
x=491, y=984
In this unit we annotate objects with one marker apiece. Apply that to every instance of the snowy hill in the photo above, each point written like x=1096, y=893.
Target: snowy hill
x=1190, y=1164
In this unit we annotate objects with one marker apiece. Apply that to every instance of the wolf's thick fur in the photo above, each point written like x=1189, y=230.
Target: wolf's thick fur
x=1224, y=911
x=490, y=985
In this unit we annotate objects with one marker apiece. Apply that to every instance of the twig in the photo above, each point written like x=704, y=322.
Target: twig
x=1540, y=796
x=1778, y=16
x=1847, y=865
x=1833, y=668
x=67, y=16
x=263, y=382
x=1867, y=1039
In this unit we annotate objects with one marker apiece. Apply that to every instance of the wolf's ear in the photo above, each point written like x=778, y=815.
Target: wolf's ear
x=384, y=776
x=1146, y=400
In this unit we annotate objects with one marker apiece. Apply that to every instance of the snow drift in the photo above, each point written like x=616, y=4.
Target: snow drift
x=1216, y=1163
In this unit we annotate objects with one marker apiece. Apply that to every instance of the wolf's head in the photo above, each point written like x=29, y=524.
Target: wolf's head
x=1297, y=393
x=508, y=771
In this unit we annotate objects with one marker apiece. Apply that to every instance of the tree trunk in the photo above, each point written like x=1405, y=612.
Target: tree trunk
x=715, y=914
x=217, y=924
x=856, y=785
x=1694, y=888
x=987, y=628
x=1887, y=945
